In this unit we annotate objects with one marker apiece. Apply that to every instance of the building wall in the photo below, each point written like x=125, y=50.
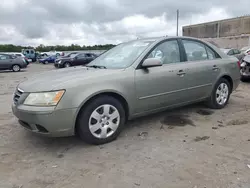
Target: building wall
x=221, y=28
x=230, y=42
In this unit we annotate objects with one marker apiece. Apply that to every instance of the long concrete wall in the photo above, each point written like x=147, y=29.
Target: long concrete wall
x=230, y=42
x=221, y=28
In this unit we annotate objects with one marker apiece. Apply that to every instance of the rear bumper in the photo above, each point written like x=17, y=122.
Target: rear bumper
x=46, y=122
x=24, y=66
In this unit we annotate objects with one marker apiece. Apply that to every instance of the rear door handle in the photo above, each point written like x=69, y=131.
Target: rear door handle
x=181, y=73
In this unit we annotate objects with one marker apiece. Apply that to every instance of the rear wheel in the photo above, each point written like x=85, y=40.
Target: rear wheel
x=220, y=94
x=101, y=121
x=16, y=68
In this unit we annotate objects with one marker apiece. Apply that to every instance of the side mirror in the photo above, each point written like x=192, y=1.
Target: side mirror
x=151, y=62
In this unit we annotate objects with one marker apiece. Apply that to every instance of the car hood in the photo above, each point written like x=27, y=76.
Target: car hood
x=63, y=78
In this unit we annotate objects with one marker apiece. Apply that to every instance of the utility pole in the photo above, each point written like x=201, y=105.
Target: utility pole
x=177, y=26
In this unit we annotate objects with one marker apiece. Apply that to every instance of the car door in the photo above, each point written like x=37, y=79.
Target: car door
x=5, y=61
x=159, y=87
x=80, y=59
x=89, y=58
x=203, y=68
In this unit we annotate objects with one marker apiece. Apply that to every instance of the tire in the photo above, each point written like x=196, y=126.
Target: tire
x=66, y=64
x=214, y=101
x=97, y=136
x=243, y=79
x=33, y=60
x=16, y=68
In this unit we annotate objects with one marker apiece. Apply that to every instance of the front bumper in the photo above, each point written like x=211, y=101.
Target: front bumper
x=46, y=121
x=58, y=65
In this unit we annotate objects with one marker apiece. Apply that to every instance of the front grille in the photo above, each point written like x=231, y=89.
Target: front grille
x=17, y=95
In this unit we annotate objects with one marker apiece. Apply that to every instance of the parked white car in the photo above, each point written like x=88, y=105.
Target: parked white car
x=246, y=50
x=50, y=53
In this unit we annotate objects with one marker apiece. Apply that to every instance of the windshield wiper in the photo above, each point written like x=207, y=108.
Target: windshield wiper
x=97, y=66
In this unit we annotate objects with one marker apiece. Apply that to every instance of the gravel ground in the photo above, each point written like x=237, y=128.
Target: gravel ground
x=190, y=147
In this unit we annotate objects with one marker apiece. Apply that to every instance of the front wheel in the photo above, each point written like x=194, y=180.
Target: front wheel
x=67, y=64
x=16, y=68
x=101, y=121
x=220, y=94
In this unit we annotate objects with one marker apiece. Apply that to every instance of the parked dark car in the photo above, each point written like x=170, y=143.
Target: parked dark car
x=11, y=62
x=75, y=60
x=50, y=59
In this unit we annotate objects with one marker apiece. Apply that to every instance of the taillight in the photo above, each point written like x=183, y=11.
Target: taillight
x=239, y=62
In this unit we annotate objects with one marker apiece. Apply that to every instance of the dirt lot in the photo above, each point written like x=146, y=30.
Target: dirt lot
x=191, y=147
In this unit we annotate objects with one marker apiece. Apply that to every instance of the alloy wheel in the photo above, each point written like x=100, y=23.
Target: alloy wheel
x=16, y=68
x=222, y=94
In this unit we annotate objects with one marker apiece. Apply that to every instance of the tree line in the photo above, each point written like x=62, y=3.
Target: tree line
x=43, y=48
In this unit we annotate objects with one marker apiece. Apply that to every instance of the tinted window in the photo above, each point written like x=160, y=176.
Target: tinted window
x=195, y=51
x=81, y=56
x=167, y=52
x=3, y=57
x=231, y=52
x=32, y=52
x=27, y=52
x=236, y=51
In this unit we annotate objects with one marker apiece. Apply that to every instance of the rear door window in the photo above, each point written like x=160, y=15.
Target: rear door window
x=197, y=51
x=81, y=56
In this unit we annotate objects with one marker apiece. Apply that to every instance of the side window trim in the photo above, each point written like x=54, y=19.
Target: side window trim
x=155, y=46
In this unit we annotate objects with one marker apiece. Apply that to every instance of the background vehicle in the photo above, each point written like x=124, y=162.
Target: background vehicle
x=30, y=54
x=233, y=52
x=21, y=55
x=132, y=79
x=10, y=62
x=245, y=68
x=75, y=59
x=41, y=56
x=50, y=59
x=246, y=50
x=55, y=53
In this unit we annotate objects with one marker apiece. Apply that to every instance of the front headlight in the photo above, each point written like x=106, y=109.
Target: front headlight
x=59, y=62
x=44, y=98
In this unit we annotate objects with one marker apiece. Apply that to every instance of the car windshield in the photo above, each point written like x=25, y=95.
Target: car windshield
x=121, y=56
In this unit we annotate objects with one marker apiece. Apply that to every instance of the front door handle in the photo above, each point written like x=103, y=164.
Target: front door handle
x=181, y=73
x=215, y=68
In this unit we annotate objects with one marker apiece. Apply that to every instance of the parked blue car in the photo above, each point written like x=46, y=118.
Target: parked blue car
x=50, y=59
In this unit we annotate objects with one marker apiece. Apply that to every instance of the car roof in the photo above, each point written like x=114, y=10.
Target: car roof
x=158, y=39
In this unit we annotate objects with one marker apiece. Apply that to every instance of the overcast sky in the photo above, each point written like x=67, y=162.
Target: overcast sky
x=89, y=22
